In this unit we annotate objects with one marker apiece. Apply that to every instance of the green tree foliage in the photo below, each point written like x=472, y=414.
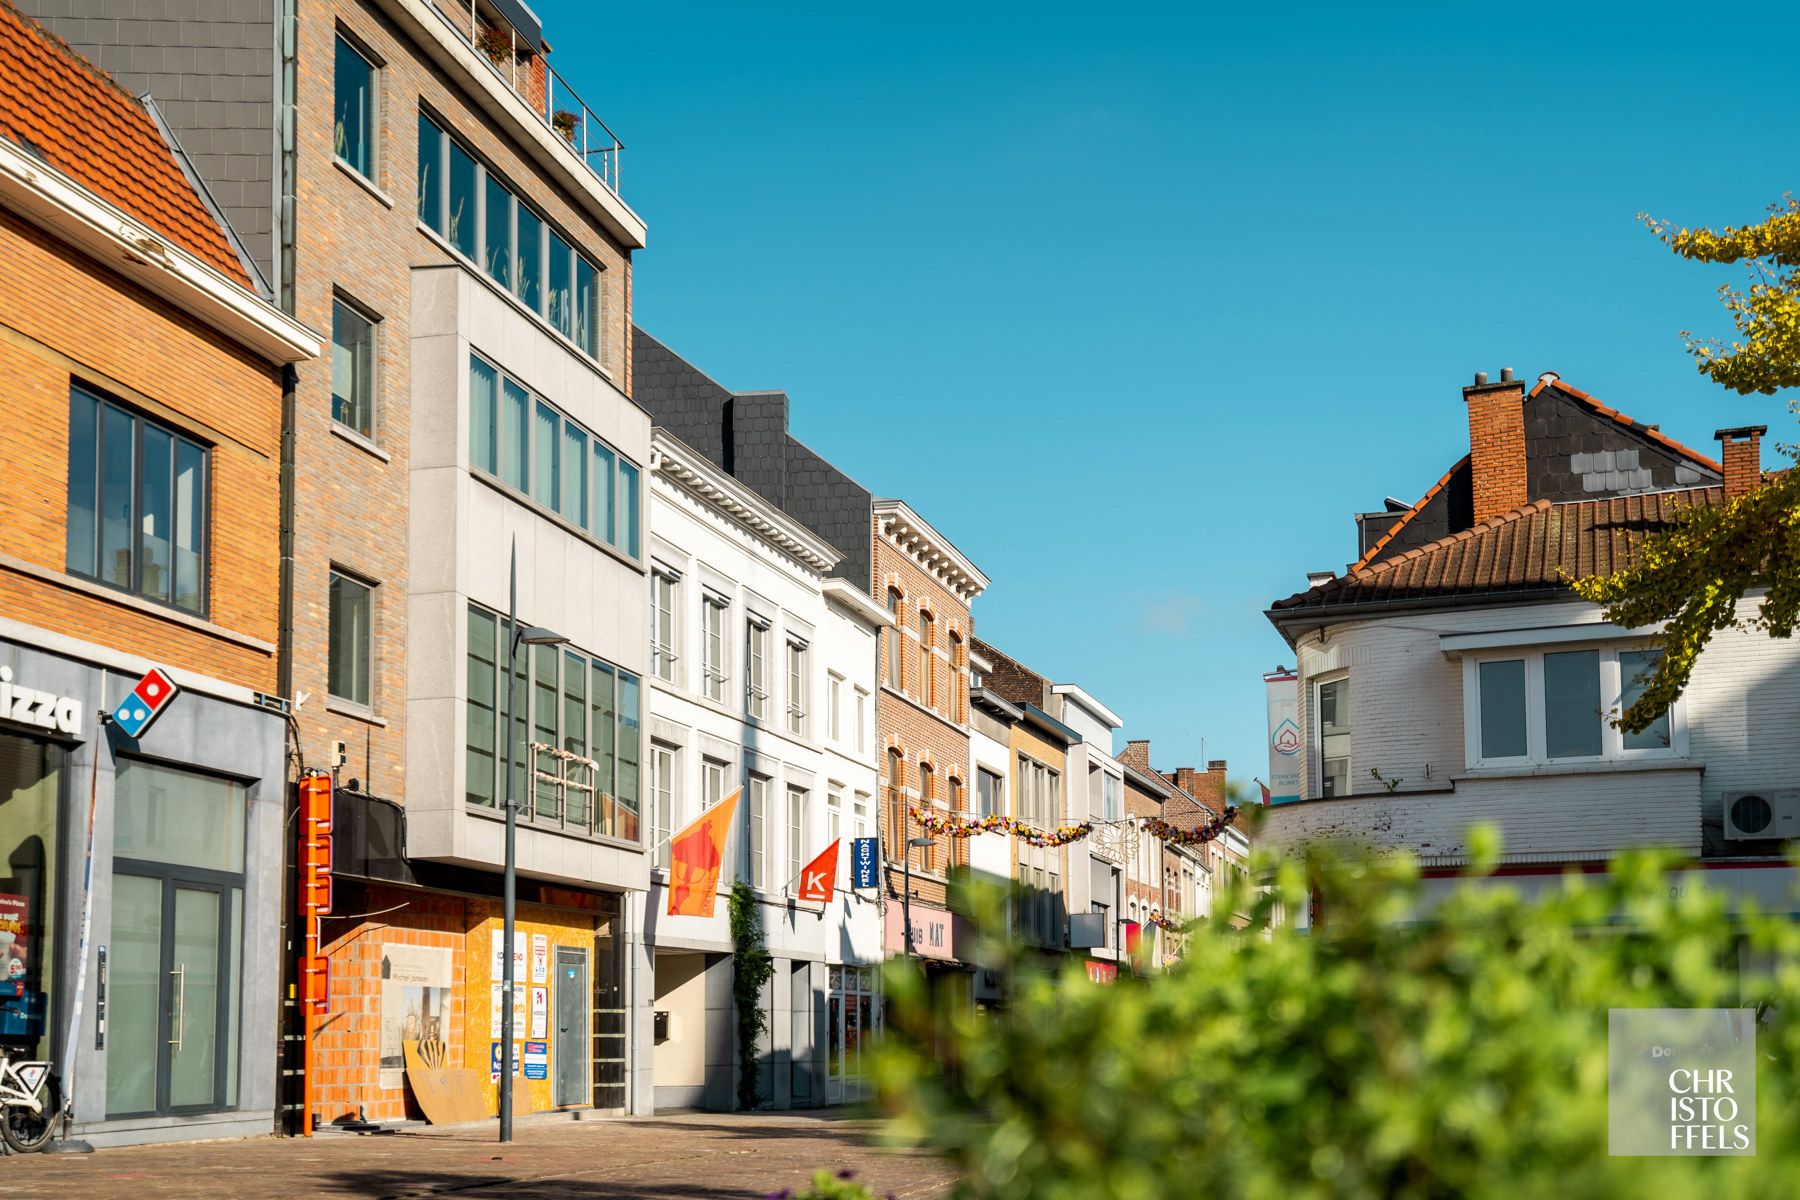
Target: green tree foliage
x=1378, y=1055
x=1694, y=576
x=751, y=969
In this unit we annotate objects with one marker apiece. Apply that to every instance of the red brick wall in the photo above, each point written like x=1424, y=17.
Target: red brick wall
x=1497, y=446
x=1742, y=457
x=65, y=319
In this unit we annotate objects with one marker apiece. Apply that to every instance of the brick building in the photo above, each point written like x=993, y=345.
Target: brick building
x=1449, y=675
x=416, y=179
x=139, y=528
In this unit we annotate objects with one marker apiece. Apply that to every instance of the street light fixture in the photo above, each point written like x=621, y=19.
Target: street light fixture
x=517, y=635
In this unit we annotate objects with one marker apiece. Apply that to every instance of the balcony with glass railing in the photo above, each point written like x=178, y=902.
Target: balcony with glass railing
x=505, y=35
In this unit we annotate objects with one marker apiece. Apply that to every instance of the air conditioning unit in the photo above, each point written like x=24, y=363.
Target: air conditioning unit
x=1762, y=815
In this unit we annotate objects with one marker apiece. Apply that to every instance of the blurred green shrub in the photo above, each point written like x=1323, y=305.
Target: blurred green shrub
x=1386, y=1053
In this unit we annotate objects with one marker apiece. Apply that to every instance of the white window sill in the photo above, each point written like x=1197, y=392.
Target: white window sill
x=1611, y=766
x=363, y=181
x=360, y=442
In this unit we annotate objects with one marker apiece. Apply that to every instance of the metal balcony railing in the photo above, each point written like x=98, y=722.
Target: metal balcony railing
x=531, y=78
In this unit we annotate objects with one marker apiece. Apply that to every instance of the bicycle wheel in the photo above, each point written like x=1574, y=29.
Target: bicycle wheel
x=25, y=1131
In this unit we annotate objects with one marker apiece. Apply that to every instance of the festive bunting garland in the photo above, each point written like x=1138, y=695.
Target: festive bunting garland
x=942, y=825
x=1163, y=923
x=1156, y=827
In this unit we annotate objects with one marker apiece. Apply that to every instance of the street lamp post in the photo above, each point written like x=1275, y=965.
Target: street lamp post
x=530, y=635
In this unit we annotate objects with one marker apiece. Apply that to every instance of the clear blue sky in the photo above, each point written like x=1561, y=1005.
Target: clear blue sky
x=1137, y=304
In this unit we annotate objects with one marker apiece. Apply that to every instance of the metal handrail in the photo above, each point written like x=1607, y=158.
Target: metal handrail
x=587, y=136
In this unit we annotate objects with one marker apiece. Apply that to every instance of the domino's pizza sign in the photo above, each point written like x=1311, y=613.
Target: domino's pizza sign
x=147, y=699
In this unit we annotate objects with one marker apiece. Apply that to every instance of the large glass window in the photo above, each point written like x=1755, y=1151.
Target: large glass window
x=587, y=306
x=352, y=368
x=536, y=450
x=1544, y=706
x=354, y=85
x=529, y=286
x=136, y=504
x=559, y=297
x=797, y=817
x=497, y=233
x=431, y=173
x=1334, y=737
x=1635, y=669
x=1503, y=732
x=1572, y=704
x=565, y=699
x=30, y=868
x=463, y=192
x=348, y=658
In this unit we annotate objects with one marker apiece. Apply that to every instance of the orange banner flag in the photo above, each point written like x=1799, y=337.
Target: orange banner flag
x=818, y=880
x=695, y=856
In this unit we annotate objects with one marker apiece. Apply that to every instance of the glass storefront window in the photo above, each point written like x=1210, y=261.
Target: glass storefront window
x=30, y=842
x=177, y=817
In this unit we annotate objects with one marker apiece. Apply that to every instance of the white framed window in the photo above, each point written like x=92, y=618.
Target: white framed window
x=862, y=721
x=756, y=667
x=1110, y=788
x=665, y=604
x=834, y=707
x=1040, y=793
x=754, y=865
x=713, y=776
x=662, y=802
x=859, y=814
x=1331, y=721
x=796, y=687
x=834, y=812
x=797, y=804
x=990, y=793
x=715, y=647
x=1529, y=707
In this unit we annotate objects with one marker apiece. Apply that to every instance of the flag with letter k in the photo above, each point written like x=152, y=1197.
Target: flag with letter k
x=818, y=879
x=695, y=856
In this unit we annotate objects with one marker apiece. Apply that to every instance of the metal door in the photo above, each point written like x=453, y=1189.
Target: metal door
x=572, y=1026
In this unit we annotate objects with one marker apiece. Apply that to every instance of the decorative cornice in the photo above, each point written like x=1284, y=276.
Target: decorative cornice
x=673, y=459
x=930, y=550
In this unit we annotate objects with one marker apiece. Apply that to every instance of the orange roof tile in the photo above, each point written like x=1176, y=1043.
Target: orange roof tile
x=58, y=105
x=1409, y=514
x=1538, y=547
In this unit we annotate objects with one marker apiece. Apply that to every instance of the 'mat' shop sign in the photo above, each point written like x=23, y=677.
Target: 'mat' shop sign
x=44, y=710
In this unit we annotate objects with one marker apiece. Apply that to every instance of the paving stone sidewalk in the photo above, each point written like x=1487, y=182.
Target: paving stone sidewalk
x=697, y=1157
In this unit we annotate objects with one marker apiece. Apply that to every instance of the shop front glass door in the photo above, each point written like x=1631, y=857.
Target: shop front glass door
x=177, y=924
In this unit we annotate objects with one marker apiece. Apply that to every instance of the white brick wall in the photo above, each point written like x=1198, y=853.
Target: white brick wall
x=1406, y=710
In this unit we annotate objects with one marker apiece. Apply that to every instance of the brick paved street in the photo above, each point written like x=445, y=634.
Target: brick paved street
x=699, y=1157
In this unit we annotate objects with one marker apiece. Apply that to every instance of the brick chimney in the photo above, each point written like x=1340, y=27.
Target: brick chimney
x=1137, y=755
x=1496, y=443
x=1741, y=452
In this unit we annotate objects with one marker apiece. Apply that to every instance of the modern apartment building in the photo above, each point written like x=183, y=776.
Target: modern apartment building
x=419, y=180
x=762, y=679
x=139, y=537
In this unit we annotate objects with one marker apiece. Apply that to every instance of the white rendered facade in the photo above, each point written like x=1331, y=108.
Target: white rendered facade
x=762, y=679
